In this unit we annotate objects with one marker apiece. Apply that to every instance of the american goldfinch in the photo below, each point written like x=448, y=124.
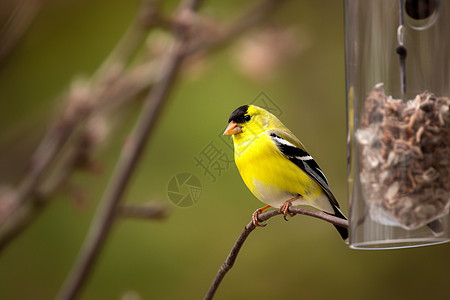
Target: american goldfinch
x=275, y=165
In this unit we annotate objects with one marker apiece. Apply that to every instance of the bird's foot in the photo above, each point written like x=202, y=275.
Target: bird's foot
x=256, y=214
x=284, y=209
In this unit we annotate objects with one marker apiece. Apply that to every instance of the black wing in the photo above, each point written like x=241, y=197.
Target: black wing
x=305, y=162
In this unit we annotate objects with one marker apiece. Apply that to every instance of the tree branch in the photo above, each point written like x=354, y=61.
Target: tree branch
x=20, y=20
x=234, y=29
x=129, y=157
x=231, y=258
x=110, y=87
x=142, y=211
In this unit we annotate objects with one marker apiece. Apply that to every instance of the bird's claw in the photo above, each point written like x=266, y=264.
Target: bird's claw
x=255, y=218
x=284, y=209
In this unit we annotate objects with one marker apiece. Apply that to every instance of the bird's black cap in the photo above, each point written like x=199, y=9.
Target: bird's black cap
x=238, y=114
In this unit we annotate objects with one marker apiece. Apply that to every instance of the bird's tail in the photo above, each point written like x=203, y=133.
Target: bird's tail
x=343, y=231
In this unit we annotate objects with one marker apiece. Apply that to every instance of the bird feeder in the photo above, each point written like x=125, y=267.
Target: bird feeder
x=398, y=89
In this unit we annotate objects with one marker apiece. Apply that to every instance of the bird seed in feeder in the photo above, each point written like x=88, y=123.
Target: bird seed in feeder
x=405, y=154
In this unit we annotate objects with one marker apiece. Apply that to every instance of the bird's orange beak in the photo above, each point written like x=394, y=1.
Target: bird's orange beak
x=232, y=128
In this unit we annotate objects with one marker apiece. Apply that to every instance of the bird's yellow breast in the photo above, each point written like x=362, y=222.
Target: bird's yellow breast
x=269, y=175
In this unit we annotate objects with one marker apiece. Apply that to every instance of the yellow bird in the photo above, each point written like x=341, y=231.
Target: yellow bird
x=275, y=165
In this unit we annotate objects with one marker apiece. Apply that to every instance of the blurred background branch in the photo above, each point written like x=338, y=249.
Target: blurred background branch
x=113, y=85
x=77, y=131
x=142, y=211
x=129, y=158
x=86, y=103
x=17, y=23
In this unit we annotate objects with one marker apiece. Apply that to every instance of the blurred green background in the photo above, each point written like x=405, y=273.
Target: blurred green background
x=303, y=73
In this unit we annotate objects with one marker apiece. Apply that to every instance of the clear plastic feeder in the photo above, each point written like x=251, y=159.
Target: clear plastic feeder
x=398, y=89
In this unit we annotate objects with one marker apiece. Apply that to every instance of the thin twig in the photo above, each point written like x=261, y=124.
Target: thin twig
x=112, y=87
x=129, y=157
x=23, y=210
x=231, y=258
x=39, y=200
x=236, y=28
x=142, y=211
x=14, y=29
x=59, y=133
x=135, y=35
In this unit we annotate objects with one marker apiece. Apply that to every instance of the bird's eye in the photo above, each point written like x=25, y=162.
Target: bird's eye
x=247, y=118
